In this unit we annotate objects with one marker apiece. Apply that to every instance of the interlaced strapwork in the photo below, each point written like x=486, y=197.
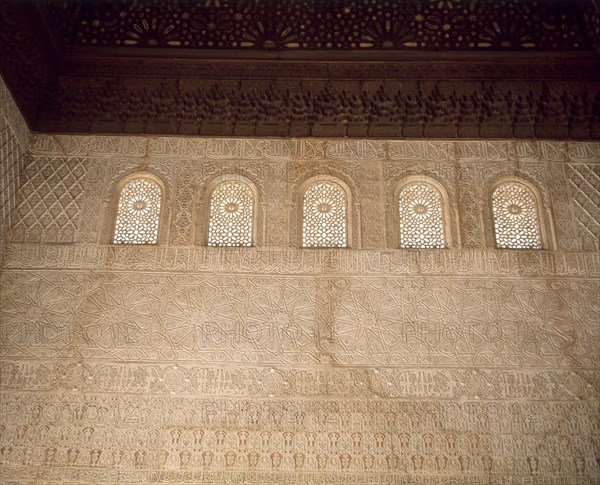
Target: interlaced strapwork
x=231, y=206
x=324, y=216
x=421, y=219
x=138, y=213
x=515, y=217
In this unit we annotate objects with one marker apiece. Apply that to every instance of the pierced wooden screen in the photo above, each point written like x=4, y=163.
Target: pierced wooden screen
x=324, y=216
x=231, y=215
x=138, y=213
x=516, y=223
x=420, y=216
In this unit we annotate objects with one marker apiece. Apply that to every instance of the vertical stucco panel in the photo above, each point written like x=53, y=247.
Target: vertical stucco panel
x=14, y=144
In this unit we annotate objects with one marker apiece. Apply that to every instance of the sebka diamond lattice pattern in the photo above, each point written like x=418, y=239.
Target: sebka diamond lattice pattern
x=585, y=188
x=50, y=202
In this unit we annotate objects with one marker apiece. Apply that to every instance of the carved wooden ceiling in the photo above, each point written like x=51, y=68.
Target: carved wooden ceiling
x=323, y=25
x=376, y=68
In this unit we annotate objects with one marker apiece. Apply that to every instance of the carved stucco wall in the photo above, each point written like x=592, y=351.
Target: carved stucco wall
x=179, y=363
x=14, y=143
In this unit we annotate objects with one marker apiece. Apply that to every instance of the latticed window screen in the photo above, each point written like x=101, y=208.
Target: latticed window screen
x=231, y=215
x=138, y=213
x=324, y=216
x=421, y=217
x=516, y=223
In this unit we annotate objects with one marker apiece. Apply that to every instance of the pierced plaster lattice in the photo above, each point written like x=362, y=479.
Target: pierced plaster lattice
x=231, y=215
x=138, y=213
x=324, y=216
x=516, y=222
x=421, y=220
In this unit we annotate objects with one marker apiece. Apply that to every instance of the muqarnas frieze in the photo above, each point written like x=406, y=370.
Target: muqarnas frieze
x=277, y=107
x=299, y=320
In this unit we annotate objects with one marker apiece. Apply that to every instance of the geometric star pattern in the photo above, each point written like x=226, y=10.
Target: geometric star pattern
x=179, y=363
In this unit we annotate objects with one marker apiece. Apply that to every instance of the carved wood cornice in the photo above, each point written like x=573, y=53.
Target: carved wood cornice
x=548, y=89
x=291, y=98
x=454, y=65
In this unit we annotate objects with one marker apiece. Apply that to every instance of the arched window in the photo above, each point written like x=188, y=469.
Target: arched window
x=421, y=217
x=324, y=219
x=138, y=212
x=516, y=222
x=231, y=214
